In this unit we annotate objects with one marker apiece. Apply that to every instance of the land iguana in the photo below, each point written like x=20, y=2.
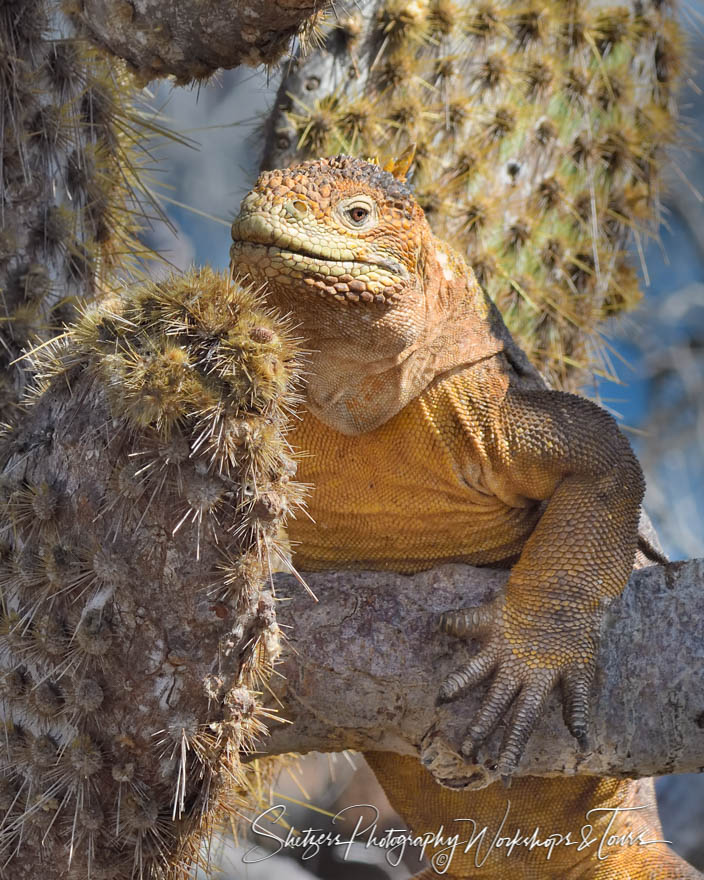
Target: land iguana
x=428, y=439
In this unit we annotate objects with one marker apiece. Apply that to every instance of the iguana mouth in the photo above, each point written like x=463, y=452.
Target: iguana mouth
x=309, y=259
x=256, y=231
x=307, y=256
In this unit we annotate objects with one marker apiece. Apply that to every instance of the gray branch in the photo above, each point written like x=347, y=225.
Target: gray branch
x=363, y=667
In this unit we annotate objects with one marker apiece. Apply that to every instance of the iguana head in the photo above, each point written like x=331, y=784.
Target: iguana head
x=336, y=241
x=342, y=245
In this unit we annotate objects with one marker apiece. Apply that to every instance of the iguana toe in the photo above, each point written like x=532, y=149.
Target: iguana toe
x=526, y=664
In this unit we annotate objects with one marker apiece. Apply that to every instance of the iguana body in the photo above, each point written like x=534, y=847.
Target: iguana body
x=425, y=445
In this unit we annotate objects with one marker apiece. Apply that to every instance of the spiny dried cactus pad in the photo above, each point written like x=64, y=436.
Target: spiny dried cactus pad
x=143, y=494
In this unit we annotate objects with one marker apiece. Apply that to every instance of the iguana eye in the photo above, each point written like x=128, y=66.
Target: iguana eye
x=358, y=214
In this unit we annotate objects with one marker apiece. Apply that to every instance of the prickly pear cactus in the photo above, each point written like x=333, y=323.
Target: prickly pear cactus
x=143, y=495
x=73, y=194
x=540, y=131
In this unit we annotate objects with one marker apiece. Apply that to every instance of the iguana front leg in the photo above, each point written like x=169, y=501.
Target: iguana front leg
x=561, y=449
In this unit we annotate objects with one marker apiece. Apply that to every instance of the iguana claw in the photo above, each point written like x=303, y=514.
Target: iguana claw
x=526, y=665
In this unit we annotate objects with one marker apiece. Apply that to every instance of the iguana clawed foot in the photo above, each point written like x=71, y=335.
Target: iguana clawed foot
x=526, y=661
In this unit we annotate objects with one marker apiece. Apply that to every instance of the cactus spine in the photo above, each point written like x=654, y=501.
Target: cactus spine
x=74, y=193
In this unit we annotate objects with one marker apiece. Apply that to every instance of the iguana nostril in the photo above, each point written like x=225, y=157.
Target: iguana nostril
x=254, y=228
x=249, y=203
x=297, y=209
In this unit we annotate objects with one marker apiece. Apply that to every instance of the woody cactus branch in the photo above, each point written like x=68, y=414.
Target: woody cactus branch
x=141, y=497
x=363, y=667
x=191, y=40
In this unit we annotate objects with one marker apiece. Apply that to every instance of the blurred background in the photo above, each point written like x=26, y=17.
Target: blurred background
x=657, y=355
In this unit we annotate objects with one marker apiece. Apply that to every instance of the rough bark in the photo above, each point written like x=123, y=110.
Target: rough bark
x=191, y=40
x=363, y=667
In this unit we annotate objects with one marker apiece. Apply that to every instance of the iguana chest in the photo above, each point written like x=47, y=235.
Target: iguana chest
x=417, y=491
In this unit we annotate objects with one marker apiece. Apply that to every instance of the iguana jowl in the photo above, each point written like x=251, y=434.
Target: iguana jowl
x=423, y=447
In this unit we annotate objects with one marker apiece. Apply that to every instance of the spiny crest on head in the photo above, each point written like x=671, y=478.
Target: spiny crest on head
x=329, y=170
x=398, y=166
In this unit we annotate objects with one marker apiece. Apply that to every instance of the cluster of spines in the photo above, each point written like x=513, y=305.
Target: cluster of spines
x=540, y=132
x=74, y=192
x=185, y=387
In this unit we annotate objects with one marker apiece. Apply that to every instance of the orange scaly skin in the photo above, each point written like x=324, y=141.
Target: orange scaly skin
x=429, y=441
